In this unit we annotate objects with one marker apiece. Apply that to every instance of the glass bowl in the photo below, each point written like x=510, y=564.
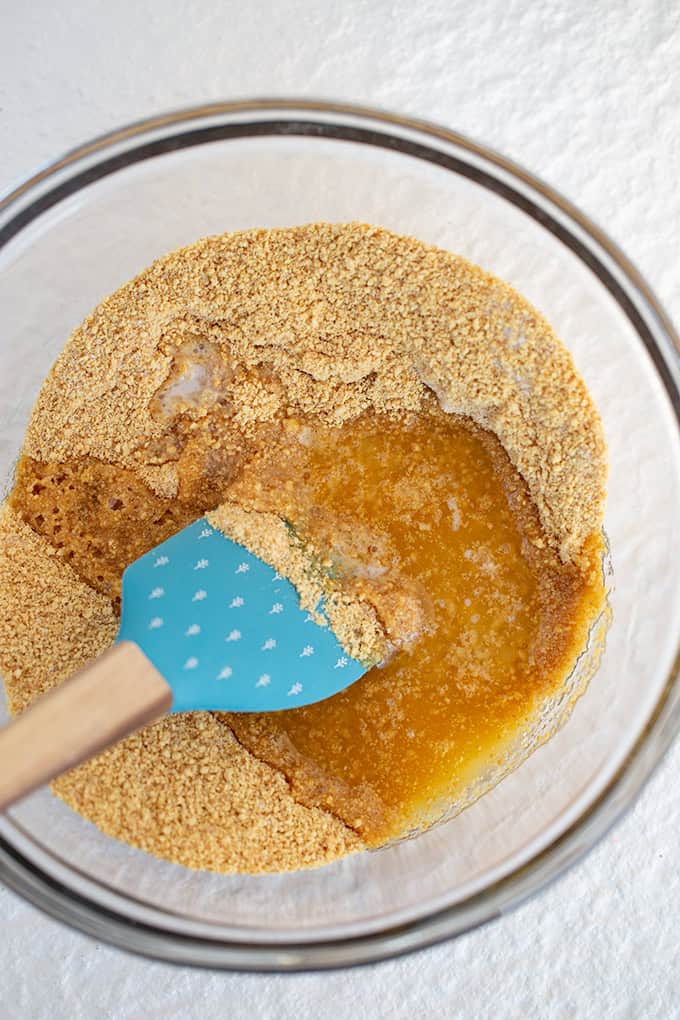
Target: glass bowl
x=82, y=226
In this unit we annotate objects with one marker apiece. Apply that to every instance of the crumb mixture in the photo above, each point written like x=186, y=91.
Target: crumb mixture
x=441, y=464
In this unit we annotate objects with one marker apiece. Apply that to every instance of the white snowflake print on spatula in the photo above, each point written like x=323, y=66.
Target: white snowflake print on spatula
x=279, y=655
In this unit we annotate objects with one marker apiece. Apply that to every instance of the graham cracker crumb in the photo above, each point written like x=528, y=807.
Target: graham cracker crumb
x=320, y=323
x=51, y=623
x=354, y=623
x=348, y=317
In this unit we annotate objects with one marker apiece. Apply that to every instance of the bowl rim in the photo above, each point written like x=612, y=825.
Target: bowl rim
x=77, y=167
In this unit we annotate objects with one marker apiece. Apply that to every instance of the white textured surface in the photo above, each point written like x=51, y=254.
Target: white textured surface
x=584, y=94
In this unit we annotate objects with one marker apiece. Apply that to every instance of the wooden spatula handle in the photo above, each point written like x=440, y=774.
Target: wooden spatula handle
x=111, y=697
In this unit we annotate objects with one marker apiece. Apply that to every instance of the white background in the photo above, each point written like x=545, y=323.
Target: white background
x=587, y=95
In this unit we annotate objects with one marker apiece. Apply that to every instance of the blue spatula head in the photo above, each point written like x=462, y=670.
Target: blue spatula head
x=226, y=631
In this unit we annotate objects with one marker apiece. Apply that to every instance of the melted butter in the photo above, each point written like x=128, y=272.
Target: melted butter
x=428, y=521
x=432, y=509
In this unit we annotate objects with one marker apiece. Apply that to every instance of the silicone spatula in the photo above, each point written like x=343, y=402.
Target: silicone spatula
x=205, y=625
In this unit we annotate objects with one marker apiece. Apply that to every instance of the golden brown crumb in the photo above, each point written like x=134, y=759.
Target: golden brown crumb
x=318, y=323
x=349, y=317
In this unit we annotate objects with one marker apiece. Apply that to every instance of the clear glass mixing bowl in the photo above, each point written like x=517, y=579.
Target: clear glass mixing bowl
x=79, y=228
